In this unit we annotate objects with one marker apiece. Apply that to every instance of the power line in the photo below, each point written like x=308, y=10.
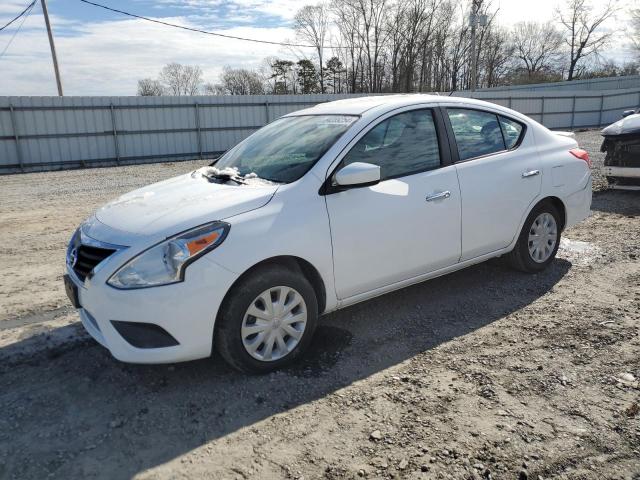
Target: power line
x=191, y=29
x=26, y=13
x=28, y=7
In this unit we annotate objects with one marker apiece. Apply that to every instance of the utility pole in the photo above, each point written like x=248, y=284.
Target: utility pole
x=53, y=46
x=473, y=18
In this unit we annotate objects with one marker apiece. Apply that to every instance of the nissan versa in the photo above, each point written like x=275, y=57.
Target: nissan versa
x=321, y=209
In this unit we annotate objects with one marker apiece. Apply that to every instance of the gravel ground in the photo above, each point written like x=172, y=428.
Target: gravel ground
x=485, y=373
x=591, y=140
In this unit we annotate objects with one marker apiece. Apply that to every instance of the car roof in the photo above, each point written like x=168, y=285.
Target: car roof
x=360, y=105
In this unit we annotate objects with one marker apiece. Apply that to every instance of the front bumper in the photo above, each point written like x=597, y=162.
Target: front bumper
x=186, y=310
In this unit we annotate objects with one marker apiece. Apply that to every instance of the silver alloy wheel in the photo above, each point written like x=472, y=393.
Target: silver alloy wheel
x=543, y=236
x=274, y=323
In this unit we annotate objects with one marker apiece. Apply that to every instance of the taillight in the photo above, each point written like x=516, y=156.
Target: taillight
x=581, y=154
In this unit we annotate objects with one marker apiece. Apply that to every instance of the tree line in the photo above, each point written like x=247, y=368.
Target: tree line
x=372, y=46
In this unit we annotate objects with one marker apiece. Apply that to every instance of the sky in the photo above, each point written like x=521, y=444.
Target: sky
x=105, y=53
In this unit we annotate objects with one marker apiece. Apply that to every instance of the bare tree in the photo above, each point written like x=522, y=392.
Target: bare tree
x=537, y=46
x=635, y=28
x=424, y=45
x=395, y=27
x=148, y=87
x=372, y=35
x=311, y=24
x=181, y=79
x=583, y=30
x=240, y=81
x=419, y=15
x=458, y=50
x=442, y=38
x=348, y=23
x=496, y=56
x=213, y=89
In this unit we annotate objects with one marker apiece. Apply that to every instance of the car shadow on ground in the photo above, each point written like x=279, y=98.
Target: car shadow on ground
x=622, y=202
x=126, y=419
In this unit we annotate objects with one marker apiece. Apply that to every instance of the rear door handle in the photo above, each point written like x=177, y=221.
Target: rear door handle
x=438, y=196
x=530, y=173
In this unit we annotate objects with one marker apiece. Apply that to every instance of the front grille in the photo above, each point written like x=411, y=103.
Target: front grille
x=88, y=258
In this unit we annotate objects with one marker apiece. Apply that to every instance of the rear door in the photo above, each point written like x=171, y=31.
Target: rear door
x=409, y=223
x=500, y=176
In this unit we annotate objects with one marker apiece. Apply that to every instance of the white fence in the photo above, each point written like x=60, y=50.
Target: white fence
x=46, y=133
x=606, y=83
x=565, y=109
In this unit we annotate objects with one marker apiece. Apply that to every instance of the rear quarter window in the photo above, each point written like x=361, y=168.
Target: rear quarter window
x=512, y=131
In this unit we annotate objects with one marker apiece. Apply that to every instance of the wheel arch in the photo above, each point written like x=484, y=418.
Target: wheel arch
x=558, y=204
x=309, y=271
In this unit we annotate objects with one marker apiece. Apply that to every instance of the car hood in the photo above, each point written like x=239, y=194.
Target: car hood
x=182, y=202
x=625, y=126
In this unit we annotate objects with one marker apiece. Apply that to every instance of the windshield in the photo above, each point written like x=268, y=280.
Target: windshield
x=286, y=149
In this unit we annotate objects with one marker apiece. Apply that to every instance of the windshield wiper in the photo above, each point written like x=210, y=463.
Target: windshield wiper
x=230, y=174
x=224, y=177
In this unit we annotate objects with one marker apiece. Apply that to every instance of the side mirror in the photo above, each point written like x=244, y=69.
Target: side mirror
x=358, y=174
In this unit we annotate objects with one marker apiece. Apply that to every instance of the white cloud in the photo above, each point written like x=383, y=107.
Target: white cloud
x=9, y=9
x=284, y=9
x=108, y=58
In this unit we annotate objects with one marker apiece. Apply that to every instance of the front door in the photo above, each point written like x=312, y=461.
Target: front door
x=404, y=226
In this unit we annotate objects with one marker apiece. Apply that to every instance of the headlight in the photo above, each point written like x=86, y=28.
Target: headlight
x=73, y=244
x=165, y=262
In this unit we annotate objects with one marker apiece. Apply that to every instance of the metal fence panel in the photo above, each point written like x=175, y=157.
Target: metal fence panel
x=44, y=133
x=609, y=83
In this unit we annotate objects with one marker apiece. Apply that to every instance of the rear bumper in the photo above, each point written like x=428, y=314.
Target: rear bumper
x=578, y=204
x=625, y=172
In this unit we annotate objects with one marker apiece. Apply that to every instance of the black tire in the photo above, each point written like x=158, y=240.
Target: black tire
x=227, y=336
x=520, y=258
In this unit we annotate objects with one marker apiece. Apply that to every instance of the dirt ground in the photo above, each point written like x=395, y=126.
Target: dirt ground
x=485, y=373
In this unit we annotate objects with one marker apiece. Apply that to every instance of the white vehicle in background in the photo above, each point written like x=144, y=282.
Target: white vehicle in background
x=622, y=145
x=323, y=208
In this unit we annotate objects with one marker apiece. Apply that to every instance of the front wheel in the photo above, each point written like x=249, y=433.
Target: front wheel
x=539, y=240
x=267, y=320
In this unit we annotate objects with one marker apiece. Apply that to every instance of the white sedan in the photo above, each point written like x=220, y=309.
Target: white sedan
x=318, y=210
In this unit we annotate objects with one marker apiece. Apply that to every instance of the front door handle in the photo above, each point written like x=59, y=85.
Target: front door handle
x=530, y=173
x=438, y=196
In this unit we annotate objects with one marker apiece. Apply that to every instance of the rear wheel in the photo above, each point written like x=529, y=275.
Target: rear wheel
x=538, y=241
x=267, y=320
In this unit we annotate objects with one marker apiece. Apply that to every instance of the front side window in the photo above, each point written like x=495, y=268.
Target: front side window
x=401, y=145
x=286, y=149
x=477, y=133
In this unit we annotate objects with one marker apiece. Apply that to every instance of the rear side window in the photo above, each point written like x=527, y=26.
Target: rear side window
x=404, y=144
x=511, y=130
x=477, y=133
